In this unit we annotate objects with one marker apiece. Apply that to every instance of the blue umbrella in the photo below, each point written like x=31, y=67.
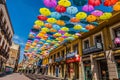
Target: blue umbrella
x=72, y=10
x=57, y=27
x=56, y=15
x=65, y=18
x=79, y=2
x=69, y=25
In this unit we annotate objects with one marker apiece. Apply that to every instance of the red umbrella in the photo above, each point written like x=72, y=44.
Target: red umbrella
x=60, y=9
x=110, y=2
x=42, y=17
x=94, y=2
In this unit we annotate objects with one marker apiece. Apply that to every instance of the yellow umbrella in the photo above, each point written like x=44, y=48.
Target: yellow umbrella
x=45, y=29
x=91, y=18
x=39, y=23
x=106, y=16
x=65, y=3
x=45, y=11
x=67, y=34
x=57, y=35
x=65, y=29
x=81, y=15
x=77, y=27
x=51, y=20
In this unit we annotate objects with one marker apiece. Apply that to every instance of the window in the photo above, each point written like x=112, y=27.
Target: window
x=75, y=48
x=98, y=39
x=68, y=50
x=117, y=35
x=86, y=44
x=58, y=54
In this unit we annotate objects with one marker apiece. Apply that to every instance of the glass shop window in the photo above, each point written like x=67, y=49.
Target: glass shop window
x=98, y=39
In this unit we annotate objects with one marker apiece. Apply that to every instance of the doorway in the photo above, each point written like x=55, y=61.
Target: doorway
x=103, y=70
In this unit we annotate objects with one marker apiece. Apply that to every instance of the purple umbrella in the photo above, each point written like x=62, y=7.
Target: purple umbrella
x=97, y=13
x=87, y=8
x=50, y=3
x=60, y=31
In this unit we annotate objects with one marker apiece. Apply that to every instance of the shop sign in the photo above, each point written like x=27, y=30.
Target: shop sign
x=72, y=54
x=58, y=59
x=96, y=48
x=76, y=59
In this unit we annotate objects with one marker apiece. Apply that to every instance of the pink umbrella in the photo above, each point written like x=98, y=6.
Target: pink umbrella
x=78, y=34
x=117, y=40
x=97, y=13
x=87, y=8
x=50, y=3
x=62, y=32
x=64, y=36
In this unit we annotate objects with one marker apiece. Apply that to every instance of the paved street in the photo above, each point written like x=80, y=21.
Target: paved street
x=41, y=77
x=14, y=76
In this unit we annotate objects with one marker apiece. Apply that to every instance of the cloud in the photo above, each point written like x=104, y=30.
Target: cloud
x=18, y=40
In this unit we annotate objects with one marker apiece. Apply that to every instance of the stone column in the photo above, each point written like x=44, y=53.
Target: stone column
x=112, y=69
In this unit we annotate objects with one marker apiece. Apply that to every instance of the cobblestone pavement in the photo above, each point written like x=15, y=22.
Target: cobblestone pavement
x=41, y=77
x=14, y=76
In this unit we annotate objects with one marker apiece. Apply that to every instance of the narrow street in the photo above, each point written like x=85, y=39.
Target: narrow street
x=14, y=76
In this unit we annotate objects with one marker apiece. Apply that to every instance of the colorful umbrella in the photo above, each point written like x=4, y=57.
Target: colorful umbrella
x=74, y=20
x=56, y=27
x=116, y=7
x=91, y=18
x=72, y=10
x=94, y=2
x=42, y=17
x=65, y=18
x=55, y=15
x=110, y=2
x=60, y=9
x=97, y=13
x=70, y=25
x=81, y=15
x=117, y=40
x=48, y=25
x=39, y=23
x=78, y=34
x=50, y=3
x=51, y=20
x=106, y=15
x=65, y=3
x=79, y=2
x=77, y=27
x=45, y=11
x=36, y=27
x=65, y=29
x=60, y=22
x=45, y=29
x=61, y=31
x=87, y=8
x=90, y=27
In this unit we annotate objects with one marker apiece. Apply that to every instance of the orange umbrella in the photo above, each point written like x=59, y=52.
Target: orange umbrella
x=74, y=20
x=48, y=25
x=60, y=22
x=116, y=7
x=89, y=27
x=91, y=18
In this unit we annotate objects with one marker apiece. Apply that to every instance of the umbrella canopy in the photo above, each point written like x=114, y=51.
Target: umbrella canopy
x=51, y=20
x=70, y=25
x=74, y=20
x=94, y=2
x=81, y=15
x=50, y=3
x=97, y=13
x=60, y=9
x=65, y=18
x=110, y=2
x=116, y=7
x=72, y=10
x=88, y=8
x=48, y=25
x=42, y=17
x=91, y=18
x=65, y=3
x=106, y=16
x=79, y=2
x=90, y=27
x=39, y=23
x=77, y=27
x=55, y=15
x=45, y=11
x=60, y=22
x=65, y=29
x=56, y=27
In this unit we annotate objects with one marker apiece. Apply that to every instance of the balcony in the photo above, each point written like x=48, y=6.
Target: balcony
x=59, y=59
x=98, y=47
x=71, y=55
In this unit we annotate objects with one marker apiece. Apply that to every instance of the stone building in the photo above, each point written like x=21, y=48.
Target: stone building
x=6, y=34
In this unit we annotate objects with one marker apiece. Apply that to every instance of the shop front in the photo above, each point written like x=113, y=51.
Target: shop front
x=73, y=66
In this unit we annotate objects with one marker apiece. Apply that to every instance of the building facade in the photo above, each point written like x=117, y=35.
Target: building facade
x=6, y=34
x=14, y=55
x=94, y=56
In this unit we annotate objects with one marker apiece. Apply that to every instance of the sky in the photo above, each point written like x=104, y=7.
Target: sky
x=23, y=13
